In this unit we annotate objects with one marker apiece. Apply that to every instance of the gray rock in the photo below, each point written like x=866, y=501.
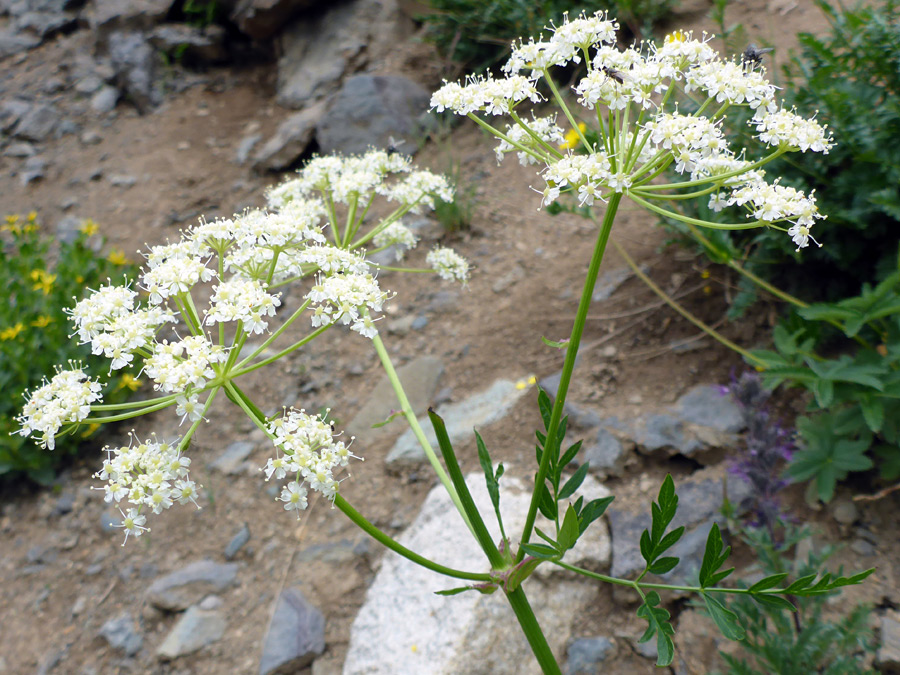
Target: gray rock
x=290, y=140
x=316, y=53
x=245, y=147
x=705, y=405
x=181, y=589
x=607, y=454
x=20, y=150
x=122, y=180
x=420, y=379
x=263, y=19
x=609, y=283
x=13, y=42
x=88, y=84
x=195, y=629
x=191, y=44
x=12, y=111
x=121, y=633
x=863, y=547
x=888, y=655
x=700, y=500
x=105, y=99
x=238, y=541
x=646, y=649
x=467, y=633
x=585, y=655
x=512, y=276
x=335, y=553
x=33, y=170
x=419, y=322
x=844, y=511
x=477, y=411
x=369, y=110
x=109, y=522
x=38, y=124
x=135, y=63
x=296, y=635
x=64, y=504
x=231, y=461
x=67, y=229
x=108, y=16
x=43, y=24
x=92, y=136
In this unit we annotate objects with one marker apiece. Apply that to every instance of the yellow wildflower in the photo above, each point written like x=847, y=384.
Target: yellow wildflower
x=704, y=274
x=42, y=321
x=677, y=36
x=129, y=382
x=90, y=429
x=572, y=137
x=42, y=280
x=89, y=227
x=11, y=333
x=117, y=257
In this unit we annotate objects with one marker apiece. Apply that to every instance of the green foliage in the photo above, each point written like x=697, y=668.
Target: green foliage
x=202, y=13
x=578, y=515
x=499, y=22
x=457, y=215
x=768, y=592
x=34, y=333
x=855, y=404
x=804, y=642
x=849, y=80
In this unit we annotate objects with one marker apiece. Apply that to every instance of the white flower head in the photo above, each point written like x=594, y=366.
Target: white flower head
x=448, y=264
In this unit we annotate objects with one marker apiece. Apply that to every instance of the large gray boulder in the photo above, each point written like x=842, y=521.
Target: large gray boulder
x=370, y=110
x=263, y=19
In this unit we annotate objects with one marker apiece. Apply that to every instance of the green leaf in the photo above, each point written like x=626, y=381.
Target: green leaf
x=390, y=419
x=493, y=486
x=547, y=505
x=593, y=510
x=873, y=411
x=562, y=344
x=768, y=582
x=775, y=602
x=540, y=551
x=569, y=454
x=568, y=532
x=454, y=591
x=658, y=624
x=574, y=482
x=725, y=619
x=711, y=556
x=546, y=537
x=663, y=565
x=545, y=407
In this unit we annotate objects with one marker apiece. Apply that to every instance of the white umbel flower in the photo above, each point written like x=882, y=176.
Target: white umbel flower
x=65, y=399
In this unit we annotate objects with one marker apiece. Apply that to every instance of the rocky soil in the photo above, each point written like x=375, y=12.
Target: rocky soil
x=97, y=123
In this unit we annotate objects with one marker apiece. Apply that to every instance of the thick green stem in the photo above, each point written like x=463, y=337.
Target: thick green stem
x=533, y=633
x=413, y=422
x=569, y=365
x=398, y=548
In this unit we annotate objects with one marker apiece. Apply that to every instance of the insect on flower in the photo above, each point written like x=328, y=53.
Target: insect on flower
x=752, y=56
x=612, y=73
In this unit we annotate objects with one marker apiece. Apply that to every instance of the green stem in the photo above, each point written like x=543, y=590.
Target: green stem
x=398, y=548
x=686, y=219
x=274, y=336
x=105, y=407
x=569, y=365
x=533, y=633
x=249, y=369
x=134, y=413
x=681, y=310
x=413, y=422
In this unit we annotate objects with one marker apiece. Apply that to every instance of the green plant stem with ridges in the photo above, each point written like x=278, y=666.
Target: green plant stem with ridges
x=410, y=416
x=274, y=336
x=696, y=221
x=681, y=310
x=533, y=633
x=569, y=365
x=249, y=369
x=398, y=548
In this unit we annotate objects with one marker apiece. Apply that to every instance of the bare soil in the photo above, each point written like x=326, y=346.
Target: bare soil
x=636, y=355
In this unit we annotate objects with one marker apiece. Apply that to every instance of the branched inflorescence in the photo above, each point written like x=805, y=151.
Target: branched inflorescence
x=639, y=130
x=315, y=228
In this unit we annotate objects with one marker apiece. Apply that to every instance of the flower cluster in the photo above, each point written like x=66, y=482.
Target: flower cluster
x=149, y=475
x=65, y=399
x=242, y=300
x=448, y=264
x=644, y=132
x=309, y=453
x=347, y=299
x=397, y=235
x=185, y=364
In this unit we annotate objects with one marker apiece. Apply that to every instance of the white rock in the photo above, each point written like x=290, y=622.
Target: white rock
x=403, y=627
